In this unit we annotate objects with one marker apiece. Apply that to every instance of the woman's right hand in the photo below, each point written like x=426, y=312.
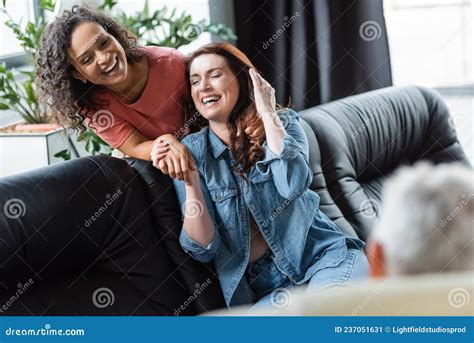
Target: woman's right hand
x=172, y=158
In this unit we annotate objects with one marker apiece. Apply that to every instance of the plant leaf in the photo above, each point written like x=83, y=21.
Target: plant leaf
x=107, y=4
x=47, y=5
x=64, y=154
x=30, y=92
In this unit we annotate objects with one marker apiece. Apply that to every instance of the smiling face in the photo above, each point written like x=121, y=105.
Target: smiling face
x=97, y=56
x=214, y=87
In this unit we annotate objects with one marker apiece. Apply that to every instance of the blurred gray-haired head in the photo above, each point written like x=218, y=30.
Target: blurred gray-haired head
x=426, y=224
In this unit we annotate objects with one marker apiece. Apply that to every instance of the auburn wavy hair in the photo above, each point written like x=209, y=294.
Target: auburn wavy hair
x=245, y=149
x=69, y=98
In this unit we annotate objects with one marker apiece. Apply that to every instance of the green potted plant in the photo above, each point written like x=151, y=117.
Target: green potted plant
x=162, y=27
x=35, y=140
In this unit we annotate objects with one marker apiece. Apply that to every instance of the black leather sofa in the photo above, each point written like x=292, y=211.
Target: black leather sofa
x=99, y=235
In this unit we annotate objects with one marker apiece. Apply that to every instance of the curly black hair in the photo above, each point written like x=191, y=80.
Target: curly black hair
x=70, y=99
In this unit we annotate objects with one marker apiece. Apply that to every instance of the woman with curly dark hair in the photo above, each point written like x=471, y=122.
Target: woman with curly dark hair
x=91, y=69
x=248, y=207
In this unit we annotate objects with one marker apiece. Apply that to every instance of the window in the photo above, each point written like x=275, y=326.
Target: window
x=18, y=9
x=430, y=41
x=431, y=44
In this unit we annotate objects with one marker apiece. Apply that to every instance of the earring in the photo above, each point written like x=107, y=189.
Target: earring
x=84, y=80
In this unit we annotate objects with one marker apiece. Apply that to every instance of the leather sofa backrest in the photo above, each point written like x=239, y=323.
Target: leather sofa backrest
x=357, y=142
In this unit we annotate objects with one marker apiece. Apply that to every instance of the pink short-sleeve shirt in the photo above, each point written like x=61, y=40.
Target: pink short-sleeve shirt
x=158, y=111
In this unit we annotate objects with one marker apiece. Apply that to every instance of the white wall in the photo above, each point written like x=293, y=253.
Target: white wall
x=431, y=41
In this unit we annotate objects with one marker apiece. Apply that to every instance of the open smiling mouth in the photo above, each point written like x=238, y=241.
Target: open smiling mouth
x=209, y=101
x=111, y=69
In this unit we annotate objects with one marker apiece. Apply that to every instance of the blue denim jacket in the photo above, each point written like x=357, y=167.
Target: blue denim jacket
x=302, y=239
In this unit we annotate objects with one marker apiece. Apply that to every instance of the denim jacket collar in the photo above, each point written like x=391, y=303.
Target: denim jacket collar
x=216, y=146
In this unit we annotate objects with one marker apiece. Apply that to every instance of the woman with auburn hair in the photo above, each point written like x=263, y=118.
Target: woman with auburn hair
x=248, y=206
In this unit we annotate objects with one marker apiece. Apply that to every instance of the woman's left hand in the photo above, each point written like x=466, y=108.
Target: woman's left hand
x=265, y=103
x=264, y=93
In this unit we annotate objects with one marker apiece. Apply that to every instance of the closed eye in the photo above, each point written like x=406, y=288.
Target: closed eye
x=104, y=43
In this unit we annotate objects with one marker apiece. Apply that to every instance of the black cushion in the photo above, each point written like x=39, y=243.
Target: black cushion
x=166, y=213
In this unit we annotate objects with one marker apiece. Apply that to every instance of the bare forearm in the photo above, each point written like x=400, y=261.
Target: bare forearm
x=274, y=131
x=137, y=145
x=141, y=151
x=265, y=104
x=197, y=221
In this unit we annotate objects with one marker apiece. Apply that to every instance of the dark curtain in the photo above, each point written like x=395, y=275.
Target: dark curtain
x=315, y=51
